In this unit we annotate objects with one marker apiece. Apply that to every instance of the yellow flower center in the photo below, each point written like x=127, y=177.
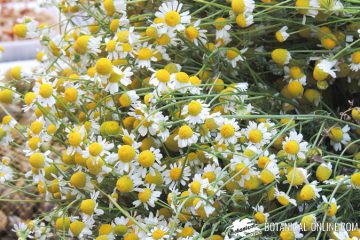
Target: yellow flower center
x=126, y=153
x=355, y=57
x=145, y=54
x=124, y=184
x=238, y=6
x=37, y=160
x=292, y=147
x=109, y=7
x=211, y=176
x=227, y=131
x=76, y=228
x=191, y=33
x=81, y=44
x=71, y=94
x=87, y=206
x=163, y=75
x=123, y=36
x=185, y=132
x=15, y=72
x=280, y=56
x=103, y=66
x=114, y=77
x=146, y=158
x=295, y=89
x=20, y=30
x=75, y=139
x=195, y=187
x=241, y=167
x=307, y=193
x=158, y=234
x=355, y=179
x=231, y=54
x=255, y=135
x=194, y=108
x=267, y=176
x=7, y=96
x=283, y=200
x=164, y=39
x=145, y=195
x=263, y=161
x=336, y=134
x=33, y=143
x=172, y=18
x=182, y=77
x=287, y=234
x=78, y=179
x=220, y=23
x=36, y=127
x=260, y=217
x=296, y=177
x=175, y=173
x=95, y=149
x=319, y=74
x=45, y=90
x=111, y=46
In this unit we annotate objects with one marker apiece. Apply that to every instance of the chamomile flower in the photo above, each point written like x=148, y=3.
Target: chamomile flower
x=198, y=185
x=124, y=158
x=260, y=216
x=308, y=7
x=282, y=35
x=195, y=34
x=127, y=182
x=294, y=146
x=257, y=134
x=324, y=68
x=87, y=44
x=355, y=61
x=174, y=19
x=222, y=30
x=177, y=174
x=81, y=229
x=281, y=56
x=144, y=56
x=339, y=136
x=233, y=56
x=180, y=81
x=330, y=206
x=26, y=29
x=244, y=20
x=228, y=131
x=160, y=79
x=149, y=160
x=186, y=136
x=324, y=171
x=121, y=76
x=76, y=137
x=270, y=173
x=105, y=69
x=147, y=196
x=196, y=112
x=293, y=231
x=310, y=191
x=112, y=48
x=283, y=198
x=243, y=6
x=158, y=233
x=89, y=207
x=98, y=148
x=118, y=6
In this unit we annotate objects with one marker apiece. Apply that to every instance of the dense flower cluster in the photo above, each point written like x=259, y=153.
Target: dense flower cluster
x=164, y=120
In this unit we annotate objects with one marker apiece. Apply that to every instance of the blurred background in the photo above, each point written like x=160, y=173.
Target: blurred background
x=18, y=52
